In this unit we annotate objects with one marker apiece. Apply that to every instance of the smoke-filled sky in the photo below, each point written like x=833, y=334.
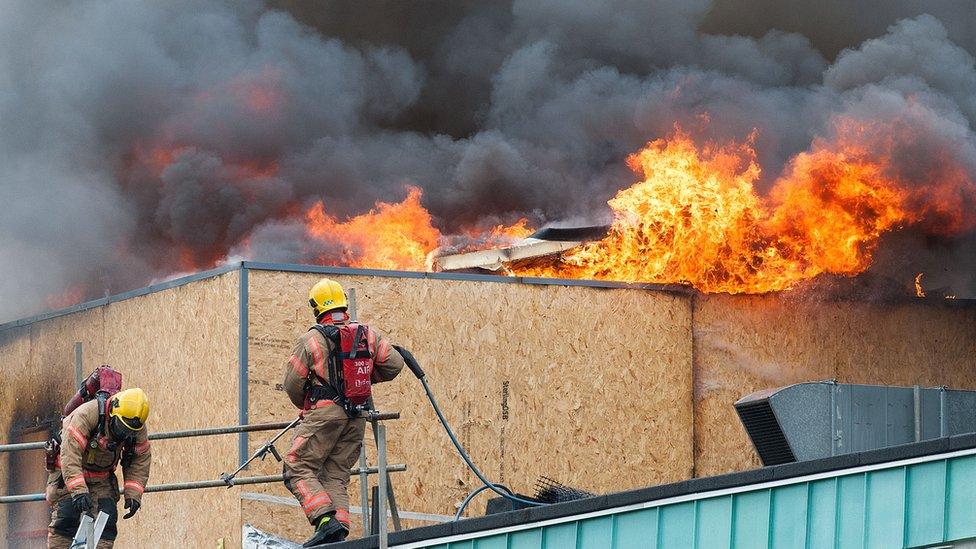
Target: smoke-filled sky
x=142, y=138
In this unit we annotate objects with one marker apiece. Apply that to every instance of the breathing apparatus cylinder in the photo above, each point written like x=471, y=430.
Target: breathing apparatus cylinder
x=103, y=379
x=100, y=384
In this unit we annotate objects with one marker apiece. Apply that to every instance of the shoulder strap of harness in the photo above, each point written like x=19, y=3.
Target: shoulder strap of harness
x=330, y=333
x=99, y=431
x=102, y=399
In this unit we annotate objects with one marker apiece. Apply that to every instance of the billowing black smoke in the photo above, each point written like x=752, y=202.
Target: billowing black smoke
x=143, y=138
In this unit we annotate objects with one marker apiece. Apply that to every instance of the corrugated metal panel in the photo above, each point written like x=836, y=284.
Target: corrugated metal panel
x=909, y=505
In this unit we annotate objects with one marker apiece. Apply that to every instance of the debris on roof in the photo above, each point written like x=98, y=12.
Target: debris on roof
x=548, y=490
x=546, y=242
x=252, y=538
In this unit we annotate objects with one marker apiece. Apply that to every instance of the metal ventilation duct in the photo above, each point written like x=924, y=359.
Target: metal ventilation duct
x=822, y=419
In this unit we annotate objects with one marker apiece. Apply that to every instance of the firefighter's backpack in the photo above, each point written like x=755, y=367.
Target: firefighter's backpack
x=101, y=385
x=351, y=363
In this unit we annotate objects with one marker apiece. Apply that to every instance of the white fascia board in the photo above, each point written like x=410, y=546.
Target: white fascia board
x=495, y=258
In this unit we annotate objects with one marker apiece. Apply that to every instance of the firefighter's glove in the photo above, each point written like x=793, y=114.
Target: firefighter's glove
x=132, y=505
x=83, y=503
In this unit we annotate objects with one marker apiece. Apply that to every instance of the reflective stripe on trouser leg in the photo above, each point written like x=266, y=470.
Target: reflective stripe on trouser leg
x=317, y=438
x=335, y=474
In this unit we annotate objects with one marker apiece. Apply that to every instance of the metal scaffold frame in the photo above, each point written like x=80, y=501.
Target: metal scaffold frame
x=363, y=471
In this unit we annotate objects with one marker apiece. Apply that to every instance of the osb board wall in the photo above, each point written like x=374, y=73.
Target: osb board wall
x=589, y=386
x=180, y=346
x=14, y=351
x=745, y=344
x=38, y=369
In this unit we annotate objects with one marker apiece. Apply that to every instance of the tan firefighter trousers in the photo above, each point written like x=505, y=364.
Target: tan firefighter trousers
x=316, y=469
x=65, y=518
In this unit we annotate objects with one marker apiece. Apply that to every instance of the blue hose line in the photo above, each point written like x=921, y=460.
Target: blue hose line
x=467, y=500
x=497, y=488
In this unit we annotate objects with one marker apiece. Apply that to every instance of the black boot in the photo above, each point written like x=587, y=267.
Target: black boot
x=329, y=530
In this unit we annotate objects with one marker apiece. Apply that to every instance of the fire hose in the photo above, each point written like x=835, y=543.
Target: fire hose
x=414, y=366
x=499, y=489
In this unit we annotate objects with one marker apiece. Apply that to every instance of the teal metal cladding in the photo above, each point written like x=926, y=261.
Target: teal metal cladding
x=909, y=505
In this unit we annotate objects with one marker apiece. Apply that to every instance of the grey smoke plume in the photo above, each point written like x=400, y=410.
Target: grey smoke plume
x=143, y=138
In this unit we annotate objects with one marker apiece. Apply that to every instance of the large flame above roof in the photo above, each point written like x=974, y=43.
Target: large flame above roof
x=696, y=216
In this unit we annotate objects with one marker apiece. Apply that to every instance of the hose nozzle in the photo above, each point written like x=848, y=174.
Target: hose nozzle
x=411, y=362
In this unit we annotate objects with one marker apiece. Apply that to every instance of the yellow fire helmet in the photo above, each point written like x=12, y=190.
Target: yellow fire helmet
x=327, y=295
x=131, y=407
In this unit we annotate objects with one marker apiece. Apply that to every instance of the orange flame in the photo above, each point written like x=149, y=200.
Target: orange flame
x=259, y=93
x=156, y=158
x=72, y=295
x=919, y=292
x=390, y=236
x=514, y=232
x=696, y=218
x=484, y=236
x=693, y=218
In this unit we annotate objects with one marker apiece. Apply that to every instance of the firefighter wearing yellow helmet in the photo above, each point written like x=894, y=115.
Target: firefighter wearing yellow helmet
x=327, y=295
x=329, y=377
x=95, y=438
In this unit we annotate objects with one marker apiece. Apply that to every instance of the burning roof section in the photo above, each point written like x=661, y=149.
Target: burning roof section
x=174, y=137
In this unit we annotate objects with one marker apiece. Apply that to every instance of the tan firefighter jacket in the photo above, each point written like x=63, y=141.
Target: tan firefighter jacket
x=312, y=353
x=80, y=461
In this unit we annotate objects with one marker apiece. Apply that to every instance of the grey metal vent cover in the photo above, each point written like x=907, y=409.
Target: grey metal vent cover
x=821, y=419
x=766, y=434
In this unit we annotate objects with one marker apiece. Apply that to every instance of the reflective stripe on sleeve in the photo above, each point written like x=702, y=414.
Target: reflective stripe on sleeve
x=318, y=356
x=300, y=369
x=141, y=448
x=383, y=351
x=74, y=482
x=76, y=434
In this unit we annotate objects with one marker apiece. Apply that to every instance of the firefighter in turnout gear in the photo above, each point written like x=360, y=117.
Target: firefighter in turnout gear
x=329, y=376
x=95, y=438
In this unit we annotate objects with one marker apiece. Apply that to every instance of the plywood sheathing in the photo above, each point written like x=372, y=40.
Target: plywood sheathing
x=15, y=360
x=591, y=386
x=180, y=346
x=38, y=369
x=748, y=343
x=549, y=344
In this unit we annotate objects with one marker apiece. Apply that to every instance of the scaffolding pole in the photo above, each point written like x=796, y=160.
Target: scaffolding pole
x=20, y=447
x=198, y=484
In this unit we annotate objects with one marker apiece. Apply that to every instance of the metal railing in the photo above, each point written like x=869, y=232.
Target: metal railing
x=385, y=502
x=198, y=484
x=20, y=447
x=363, y=471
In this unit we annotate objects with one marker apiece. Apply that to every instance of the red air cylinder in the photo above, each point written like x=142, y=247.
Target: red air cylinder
x=104, y=378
